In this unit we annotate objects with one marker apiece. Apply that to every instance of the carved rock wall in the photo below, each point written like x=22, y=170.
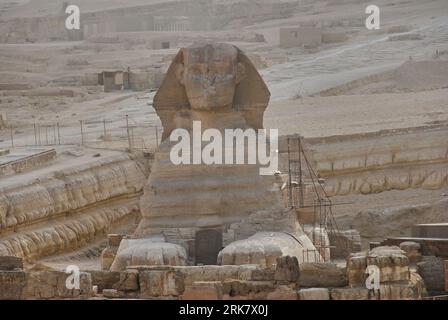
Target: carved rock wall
x=69, y=208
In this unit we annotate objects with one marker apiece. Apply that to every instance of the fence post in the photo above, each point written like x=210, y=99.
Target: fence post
x=35, y=134
x=54, y=134
x=82, y=133
x=127, y=130
x=38, y=130
x=59, y=134
x=46, y=135
x=12, y=136
x=157, y=137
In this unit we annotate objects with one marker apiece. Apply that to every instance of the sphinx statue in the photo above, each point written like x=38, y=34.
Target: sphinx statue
x=198, y=213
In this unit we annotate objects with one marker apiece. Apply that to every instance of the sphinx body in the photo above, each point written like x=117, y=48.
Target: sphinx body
x=203, y=208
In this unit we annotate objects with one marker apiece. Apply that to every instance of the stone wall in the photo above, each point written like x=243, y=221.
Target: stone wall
x=70, y=208
x=26, y=162
x=376, y=162
x=284, y=281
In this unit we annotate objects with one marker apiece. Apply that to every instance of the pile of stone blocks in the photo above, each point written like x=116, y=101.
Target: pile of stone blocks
x=16, y=284
x=287, y=280
x=396, y=281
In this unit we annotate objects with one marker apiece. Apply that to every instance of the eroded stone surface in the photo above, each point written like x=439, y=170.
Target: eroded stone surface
x=322, y=275
x=432, y=271
x=314, y=294
x=264, y=248
x=148, y=252
x=349, y=294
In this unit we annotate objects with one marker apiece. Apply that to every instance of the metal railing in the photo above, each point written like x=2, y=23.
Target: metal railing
x=117, y=134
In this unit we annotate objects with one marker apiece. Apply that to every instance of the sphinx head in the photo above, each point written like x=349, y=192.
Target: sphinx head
x=207, y=78
x=210, y=74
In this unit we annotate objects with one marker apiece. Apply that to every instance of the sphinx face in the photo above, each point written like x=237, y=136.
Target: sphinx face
x=210, y=77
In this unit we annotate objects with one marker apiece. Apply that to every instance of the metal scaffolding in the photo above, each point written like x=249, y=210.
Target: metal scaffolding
x=302, y=177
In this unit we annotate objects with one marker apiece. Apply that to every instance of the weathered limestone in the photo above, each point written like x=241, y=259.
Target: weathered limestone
x=314, y=294
x=150, y=251
x=249, y=289
x=412, y=251
x=393, y=264
x=111, y=293
x=349, y=293
x=348, y=241
x=396, y=281
x=414, y=289
x=402, y=159
x=202, y=208
x=12, y=284
x=264, y=248
x=71, y=191
x=322, y=275
x=109, y=253
x=391, y=261
x=104, y=279
x=203, y=290
x=9, y=263
x=160, y=282
x=446, y=275
x=287, y=269
x=283, y=292
x=128, y=281
x=246, y=272
x=42, y=285
x=431, y=269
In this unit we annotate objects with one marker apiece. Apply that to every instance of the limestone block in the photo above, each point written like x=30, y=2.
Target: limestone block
x=287, y=269
x=349, y=294
x=12, y=284
x=107, y=257
x=128, y=281
x=264, y=248
x=282, y=292
x=411, y=250
x=348, y=241
x=322, y=275
x=314, y=294
x=148, y=252
x=356, y=268
x=112, y=293
x=403, y=290
x=114, y=239
x=221, y=273
x=432, y=271
x=52, y=285
x=159, y=282
x=104, y=279
x=234, y=288
x=393, y=263
x=203, y=290
x=446, y=275
x=10, y=263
